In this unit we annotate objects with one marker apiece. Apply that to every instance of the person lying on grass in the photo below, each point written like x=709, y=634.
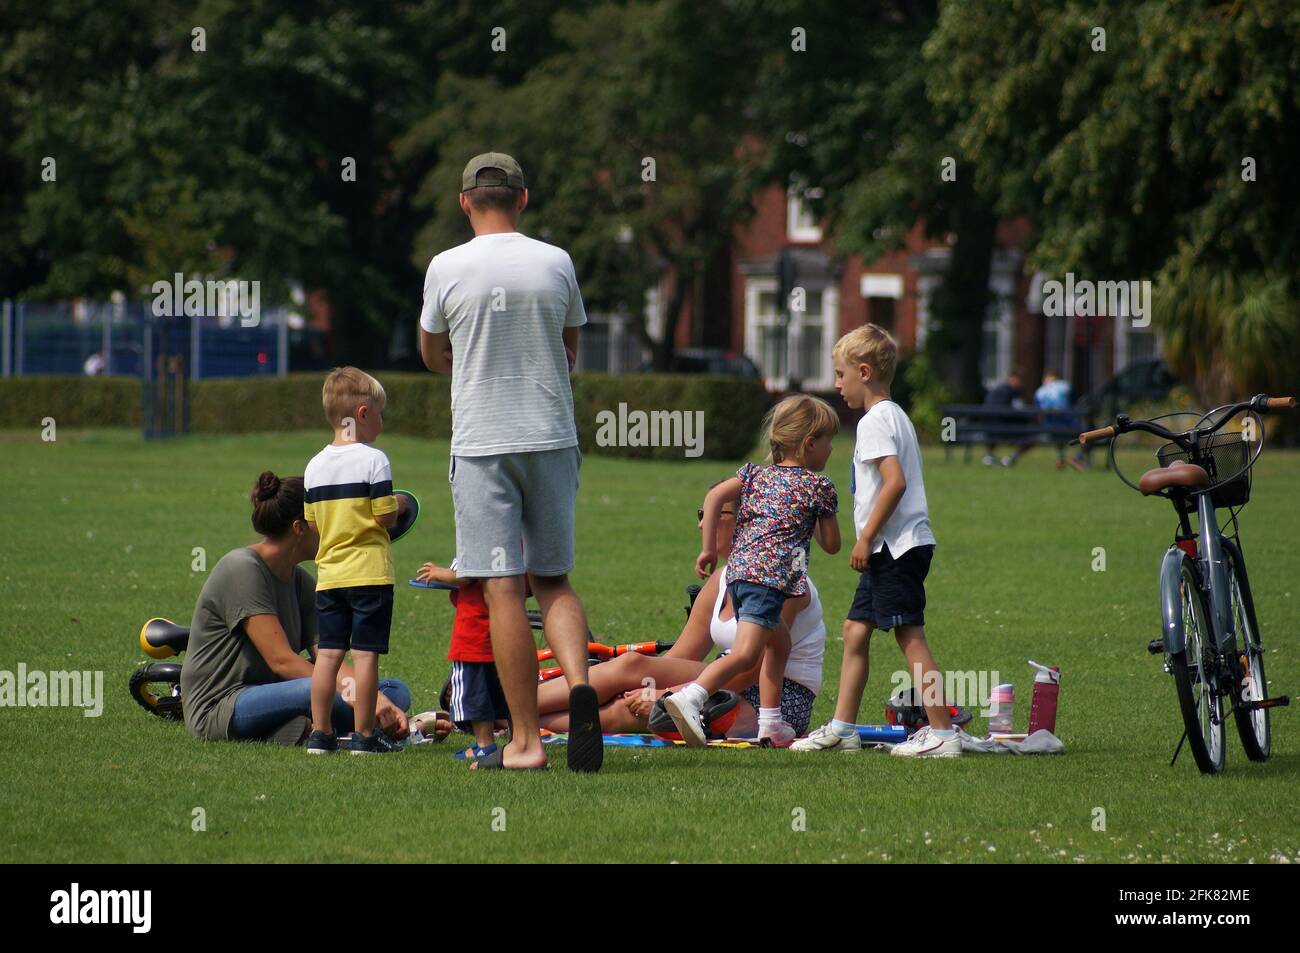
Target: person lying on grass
x=629, y=685
x=244, y=676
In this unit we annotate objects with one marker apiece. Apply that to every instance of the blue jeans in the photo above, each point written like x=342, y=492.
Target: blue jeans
x=260, y=710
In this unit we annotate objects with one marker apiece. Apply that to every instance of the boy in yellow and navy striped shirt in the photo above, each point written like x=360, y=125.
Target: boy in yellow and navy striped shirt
x=350, y=502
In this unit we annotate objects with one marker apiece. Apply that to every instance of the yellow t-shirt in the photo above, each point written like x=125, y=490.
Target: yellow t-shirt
x=346, y=488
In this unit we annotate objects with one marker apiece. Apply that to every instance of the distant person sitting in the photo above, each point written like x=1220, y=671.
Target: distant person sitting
x=1055, y=395
x=1007, y=394
x=95, y=364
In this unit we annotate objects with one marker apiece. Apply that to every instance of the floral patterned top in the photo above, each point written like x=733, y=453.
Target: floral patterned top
x=779, y=509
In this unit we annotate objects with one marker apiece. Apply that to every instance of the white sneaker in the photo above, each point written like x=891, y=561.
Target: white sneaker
x=925, y=744
x=778, y=736
x=825, y=739
x=686, y=716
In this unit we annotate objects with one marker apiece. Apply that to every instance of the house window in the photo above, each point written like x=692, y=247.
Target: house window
x=800, y=223
x=768, y=344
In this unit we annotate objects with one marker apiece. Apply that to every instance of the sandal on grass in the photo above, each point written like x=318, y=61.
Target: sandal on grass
x=586, y=743
x=493, y=761
x=475, y=752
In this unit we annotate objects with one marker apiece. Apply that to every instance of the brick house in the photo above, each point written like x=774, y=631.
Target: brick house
x=842, y=292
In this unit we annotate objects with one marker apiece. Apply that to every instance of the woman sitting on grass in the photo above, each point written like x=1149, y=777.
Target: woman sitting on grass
x=244, y=676
x=626, y=698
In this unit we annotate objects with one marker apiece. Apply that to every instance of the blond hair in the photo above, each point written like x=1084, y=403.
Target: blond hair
x=345, y=388
x=871, y=345
x=794, y=420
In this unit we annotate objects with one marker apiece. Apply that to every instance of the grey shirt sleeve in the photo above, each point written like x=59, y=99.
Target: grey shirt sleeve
x=307, y=607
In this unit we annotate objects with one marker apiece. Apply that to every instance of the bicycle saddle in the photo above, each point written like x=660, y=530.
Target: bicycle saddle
x=1177, y=474
x=162, y=638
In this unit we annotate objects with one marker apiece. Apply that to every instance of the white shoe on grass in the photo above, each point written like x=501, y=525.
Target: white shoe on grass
x=686, y=716
x=777, y=736
x=825, y=739
x=926, y=744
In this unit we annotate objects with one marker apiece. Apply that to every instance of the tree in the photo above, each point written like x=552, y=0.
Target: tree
x=632, y=137
x=1165, y=155
x=852, y=116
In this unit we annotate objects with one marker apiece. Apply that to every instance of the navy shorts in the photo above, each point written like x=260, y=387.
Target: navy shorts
x=756, y=603
x=892, y=591
x=476, y=694
x=355, y=617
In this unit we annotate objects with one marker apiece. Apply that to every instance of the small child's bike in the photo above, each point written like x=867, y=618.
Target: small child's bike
x=1205, y=596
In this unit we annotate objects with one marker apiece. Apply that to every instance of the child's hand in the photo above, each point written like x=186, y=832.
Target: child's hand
x=427, y=571
x=705, y=563
x=861, y=554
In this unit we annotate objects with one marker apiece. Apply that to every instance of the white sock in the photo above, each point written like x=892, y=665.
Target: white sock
x=943, y=734
x=695, y=693
x=843, y=729
x=769, y=717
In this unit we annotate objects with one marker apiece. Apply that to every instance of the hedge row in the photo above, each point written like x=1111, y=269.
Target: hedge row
x=617, y=414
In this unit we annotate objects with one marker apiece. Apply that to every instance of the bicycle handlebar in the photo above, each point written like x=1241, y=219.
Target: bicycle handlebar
x=1259, y=403
x=1101, y=434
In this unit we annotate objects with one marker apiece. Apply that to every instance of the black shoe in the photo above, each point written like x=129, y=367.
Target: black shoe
x=378, y=743
x=321, y=743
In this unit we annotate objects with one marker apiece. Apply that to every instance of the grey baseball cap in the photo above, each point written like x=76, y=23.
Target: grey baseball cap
x=471, y=177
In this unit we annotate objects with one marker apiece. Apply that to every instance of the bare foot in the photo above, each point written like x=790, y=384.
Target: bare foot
x=513, y=760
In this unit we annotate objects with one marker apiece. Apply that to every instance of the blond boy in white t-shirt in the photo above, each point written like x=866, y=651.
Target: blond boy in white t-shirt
x=892, y=552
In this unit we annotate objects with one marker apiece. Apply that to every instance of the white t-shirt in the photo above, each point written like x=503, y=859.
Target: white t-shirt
x=807, y=638
x=885, y=431
x=506, y=298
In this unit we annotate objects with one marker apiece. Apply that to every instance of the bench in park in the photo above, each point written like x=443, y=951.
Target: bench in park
x=971, y=425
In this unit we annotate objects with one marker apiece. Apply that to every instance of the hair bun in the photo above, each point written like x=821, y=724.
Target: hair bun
x=268, y=487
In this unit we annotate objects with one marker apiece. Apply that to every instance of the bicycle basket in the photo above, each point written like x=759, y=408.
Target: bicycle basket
x=1227, y=458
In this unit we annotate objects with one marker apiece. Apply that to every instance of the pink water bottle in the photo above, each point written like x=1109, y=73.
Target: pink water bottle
x=1047, y=689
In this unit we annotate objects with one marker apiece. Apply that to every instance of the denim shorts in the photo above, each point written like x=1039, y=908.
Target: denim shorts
x=756, y=603
x=356, y=617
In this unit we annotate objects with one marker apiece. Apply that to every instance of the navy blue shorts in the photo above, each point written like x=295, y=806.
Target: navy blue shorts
x=892, y=591
x=355, y=617
x=476, y=694
x=756, y=603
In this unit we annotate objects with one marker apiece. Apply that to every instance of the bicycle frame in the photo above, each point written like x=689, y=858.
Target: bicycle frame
x=1210, y=571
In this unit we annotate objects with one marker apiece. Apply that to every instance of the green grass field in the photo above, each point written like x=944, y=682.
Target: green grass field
x=100, y=532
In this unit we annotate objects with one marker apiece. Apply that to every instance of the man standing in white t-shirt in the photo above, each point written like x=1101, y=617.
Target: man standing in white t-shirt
x=501, y=315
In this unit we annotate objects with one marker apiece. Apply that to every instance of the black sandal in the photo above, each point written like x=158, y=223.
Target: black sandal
x=586, y=743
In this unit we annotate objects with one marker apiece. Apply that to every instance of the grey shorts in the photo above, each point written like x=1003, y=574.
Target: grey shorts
x=514, y=512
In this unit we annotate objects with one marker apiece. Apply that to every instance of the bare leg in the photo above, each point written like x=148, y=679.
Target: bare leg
x=323, y=678
x=365, y=669
x=771, y=677
x=614, y=718
x=565, y=624
x=516, y=660
x=610, y=679
x=854, y=670
x=751, y=641
x=911, y=639
x=483, y=732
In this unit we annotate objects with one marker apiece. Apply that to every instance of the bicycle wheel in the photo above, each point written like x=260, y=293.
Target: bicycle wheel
x=1195, y=677
x=1253, y=725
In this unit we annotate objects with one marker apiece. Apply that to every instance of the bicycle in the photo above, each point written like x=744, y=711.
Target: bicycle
x=1205, y=595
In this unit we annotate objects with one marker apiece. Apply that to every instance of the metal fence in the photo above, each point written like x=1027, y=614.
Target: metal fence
x=118, y=338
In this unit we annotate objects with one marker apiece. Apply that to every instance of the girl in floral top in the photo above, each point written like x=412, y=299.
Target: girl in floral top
x=781, y=508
